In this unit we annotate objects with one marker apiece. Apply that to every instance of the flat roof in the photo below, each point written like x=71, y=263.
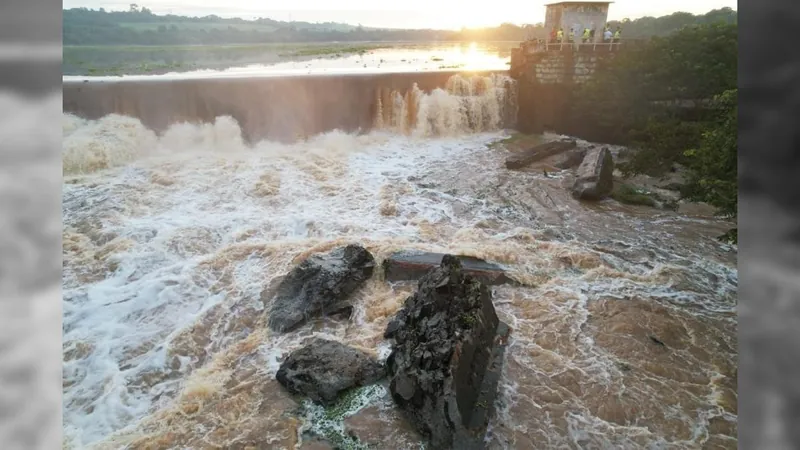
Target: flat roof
x=564, y=3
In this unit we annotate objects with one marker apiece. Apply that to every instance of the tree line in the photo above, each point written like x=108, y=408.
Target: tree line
x=632, y=102
x=140, y=26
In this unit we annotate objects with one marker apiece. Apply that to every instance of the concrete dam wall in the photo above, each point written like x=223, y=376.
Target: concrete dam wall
x=286, y=108
x=548, y=77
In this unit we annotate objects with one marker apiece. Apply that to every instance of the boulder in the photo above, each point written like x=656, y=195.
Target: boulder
x=570, y=159
x=319, y=285
x=445, y=361
x=595, y=176
x=538, y=153
x=413, y=265
x=323, y=369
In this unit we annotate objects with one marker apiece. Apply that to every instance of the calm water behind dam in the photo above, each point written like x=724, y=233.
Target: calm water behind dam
x=170, y=236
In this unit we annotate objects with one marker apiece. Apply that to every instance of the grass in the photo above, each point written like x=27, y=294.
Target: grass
x=153, y=59
x=145, y=26
x=629, y=195
x=338, y=51
x=205, y=48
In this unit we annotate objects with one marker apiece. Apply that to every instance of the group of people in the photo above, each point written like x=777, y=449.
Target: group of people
x=557, y=36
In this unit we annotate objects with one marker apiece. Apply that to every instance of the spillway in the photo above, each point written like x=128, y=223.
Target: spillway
x=182, y=200
x=280, y=108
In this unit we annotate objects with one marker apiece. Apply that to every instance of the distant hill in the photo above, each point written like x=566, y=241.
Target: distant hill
x=139, y=26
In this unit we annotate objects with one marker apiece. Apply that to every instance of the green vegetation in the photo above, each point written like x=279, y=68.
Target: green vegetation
x=331, y=50
x=625, y=193
x=141, y=59
x=713, y=163
x=468, y=320
x=673, y=100
x=328, y=423
x=139, y=26
x=645, y=27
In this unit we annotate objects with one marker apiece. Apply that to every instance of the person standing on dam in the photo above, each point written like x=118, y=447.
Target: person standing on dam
x=607, y=35
x=560, y=36
x=586, y=35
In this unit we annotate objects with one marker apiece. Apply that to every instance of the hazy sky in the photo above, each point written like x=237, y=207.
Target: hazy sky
x=446, y=14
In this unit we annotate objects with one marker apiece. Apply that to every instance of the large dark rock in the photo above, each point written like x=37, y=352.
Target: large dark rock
x=595, y=176
x=444, y=366
x=324, y=369
x=538, y=153
x=317, y=286
x=413, y=265
x=572, y=158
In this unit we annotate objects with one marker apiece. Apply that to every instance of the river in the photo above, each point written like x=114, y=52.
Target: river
x=623, y=329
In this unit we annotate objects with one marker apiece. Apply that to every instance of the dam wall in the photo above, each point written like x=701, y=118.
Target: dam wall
x=548, y=76
x=282, y=108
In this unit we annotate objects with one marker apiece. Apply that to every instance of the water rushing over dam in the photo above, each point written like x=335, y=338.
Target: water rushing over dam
x=283, y=108
x=624, y=319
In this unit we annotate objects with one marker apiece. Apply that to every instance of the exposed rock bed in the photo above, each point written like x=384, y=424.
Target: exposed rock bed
x=445, y=363
x=317, y=286
x=324, y=369
x=413, y=265
x=595, y=175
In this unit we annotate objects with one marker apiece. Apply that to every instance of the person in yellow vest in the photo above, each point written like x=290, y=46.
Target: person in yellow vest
x=586, y=34
x=617, y=35
x=560, y=36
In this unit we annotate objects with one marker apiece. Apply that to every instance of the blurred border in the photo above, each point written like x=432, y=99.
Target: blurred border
x=30, y=224
x=769, y=225
x=30, y=215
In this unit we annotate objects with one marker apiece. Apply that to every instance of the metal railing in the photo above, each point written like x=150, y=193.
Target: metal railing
x=540, y=45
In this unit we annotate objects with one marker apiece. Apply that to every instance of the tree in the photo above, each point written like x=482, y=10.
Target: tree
x=655, y=99
x=713, y=164
x=83, y=26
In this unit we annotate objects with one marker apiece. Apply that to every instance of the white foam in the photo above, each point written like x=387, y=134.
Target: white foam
x=189, y=202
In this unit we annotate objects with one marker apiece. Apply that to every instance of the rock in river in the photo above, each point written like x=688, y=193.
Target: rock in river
x=318, y=285
x=538, y=153
x=595, y=177
x=572, y=158
x=445, y=362
x=324, y=369
x=413, y=265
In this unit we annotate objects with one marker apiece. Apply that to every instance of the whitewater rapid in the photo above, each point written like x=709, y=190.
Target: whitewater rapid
x=169, y=240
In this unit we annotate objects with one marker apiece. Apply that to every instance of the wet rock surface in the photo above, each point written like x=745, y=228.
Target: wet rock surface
x=324, y=369
x=411, y=265
x=445, y=362
x=381, y=429
x=319, y=285
x=538, y=153
x=595, y=176
x=570, y=159
x=316, y=444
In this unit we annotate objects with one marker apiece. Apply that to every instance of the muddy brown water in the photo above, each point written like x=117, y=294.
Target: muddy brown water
x=623, y=329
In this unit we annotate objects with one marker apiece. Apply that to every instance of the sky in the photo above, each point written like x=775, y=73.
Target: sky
x=446, y=14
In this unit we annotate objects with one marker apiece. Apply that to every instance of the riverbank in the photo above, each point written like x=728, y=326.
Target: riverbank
x=90, y=61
